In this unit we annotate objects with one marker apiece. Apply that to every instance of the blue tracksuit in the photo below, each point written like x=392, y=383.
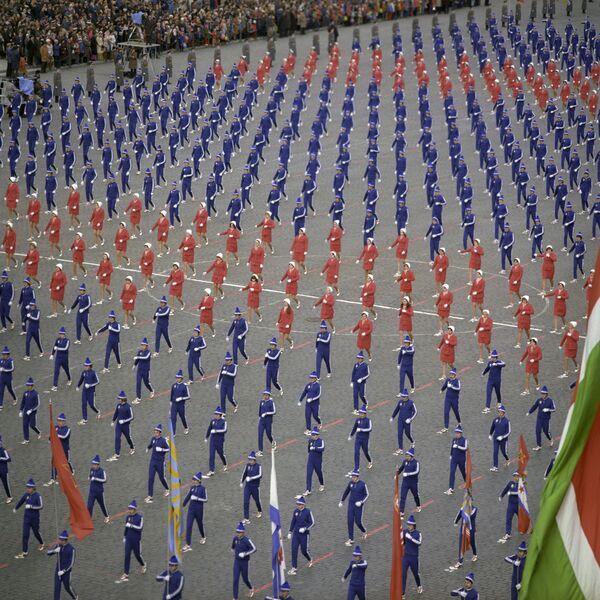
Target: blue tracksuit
x=31, y=519
x=500, y=431
x=242, y=549
x=194, y=349
x=88, y=380
x=82, y=303
x=158, y=447
x=266, y=412
x=361, y=430
x=196, y=498
x=226, y=383
x=251, y=481
x=271, y=362
x=406, y=412
x=356, y=571
x=578, y=251
x=134, y=524
x=494, y=381
x=451, y=398
x=323, y=351
x=406, y=355
x=180, y=393
x=60, y=352
x=312, y=393
x=239, y=329
x=7, y=368
x=409, y=469
x=141, y=361
x=316, y=447
x=544, y=407
x=113, y=341
x=33, y=330
x=302, y=522
x=518, y=564
x=161, y=317
x=97, y=479
x=360, y=374
x=122, y=419
x=512, y=509
x=216, y=435
x=458, y=457
x=357, y=493
x=410, y=559
x=30, y=402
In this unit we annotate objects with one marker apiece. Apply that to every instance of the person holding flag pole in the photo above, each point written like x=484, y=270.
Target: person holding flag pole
x=277, y=554
x=175, y=520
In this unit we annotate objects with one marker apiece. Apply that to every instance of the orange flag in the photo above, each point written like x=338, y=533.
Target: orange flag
x=81, y=522
x=468, y=471
x=523, y=456
x=397, y=548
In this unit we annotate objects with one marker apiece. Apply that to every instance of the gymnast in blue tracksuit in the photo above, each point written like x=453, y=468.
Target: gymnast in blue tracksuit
x=356, y=571
x=435, y=231
x=239, y=329
x=82, y=303
x=578, y=251
x=451, y=399
x=141, y=363
x=88, y=380
x=158, y=447
x=505, y=246
x=242, y=547
x=161, y=317
x=121, y=421
x=97, y=478
x=357, y=493
x=7, y=368
x=196, y=498
x=312, y=393
x=406, y=355
x=409, y=469
x=406, y=411
x=226, y=382
x=194, y=348
x=186, y=180
x=511, y=489
x=60, y=356
x=410, y=560
x=113, y=341
x=358, y=382
x=361, y=430
x=271, y=363
x=299, y=532
x=323, y=349
x=216, y=434
x=30, y=402
x=112, y=197
x=458, y=457
x=544, y=406
x=132, y=536
x=499, y=433
x=250, y=481
x=31, y=519
x=266, y=412
x=314, y=464
x=180, y=393
x=173, y=202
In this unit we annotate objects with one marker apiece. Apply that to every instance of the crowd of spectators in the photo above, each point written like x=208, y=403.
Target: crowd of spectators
x=53, y=33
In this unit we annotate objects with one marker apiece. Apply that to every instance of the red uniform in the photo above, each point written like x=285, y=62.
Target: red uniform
x=335, y=239
x=9, y=243
x=206, y=310
x=285, y=320
x=78, y=248
x=477, y=292
x=444, y=303
x=439, y=268
x=368, y=256
x=267, y=225
x=147, y=262
x=549, y=259
x=406, y=315
x=332, y=270
x=475, y=254
x=121, y=238
x=484, y=330
x=219, y=271
x=256, y=260
x=12, y=195
x=53, y=229
x=367, y=295
x=218, y=71
x=560, y=302
x=532, y=357
x=326, y=301
x=104, y=271
x=447, y=347
x=73, y=203
x=135, y=210
x=406, y=279
x=176, y=278
x=162, y=227
x=401, y=245
x=569, y=343
x=364, y=329
x=300, y=248
x=188, y=249
x=233, y=235
x=58, y=283
x=254, y=288
x=32, y=262
x=523, y=314
x=33, y=211
x=515, y=277
x=128, y=296
x=587, y=286
x=201, y=221
x=97, y=218
x=291, y=278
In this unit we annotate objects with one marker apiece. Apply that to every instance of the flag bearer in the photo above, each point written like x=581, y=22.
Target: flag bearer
x=159, y=447
x=174, y=580
x=299, y=533
x=64, y=565
x=412, y=543
x=356, y=571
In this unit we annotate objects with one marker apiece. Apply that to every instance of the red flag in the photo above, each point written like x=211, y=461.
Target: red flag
x=81, y=522
x=397, y=548
x=468, y=471
x=523, y=456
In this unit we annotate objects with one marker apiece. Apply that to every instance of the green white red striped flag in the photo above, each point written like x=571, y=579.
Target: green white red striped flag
x=564, y=552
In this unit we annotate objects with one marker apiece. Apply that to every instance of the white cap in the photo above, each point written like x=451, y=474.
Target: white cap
x=188, y=231
x=163, y=213
x=287, y=301
x=79, y=233
x=258, y=241
x=292, y=263
x=573, y=323
x=148, y=245
x=219, y=255
x=446, y=286
x=525, y=297
x=74, y=186
x=59, y=266
x=562, y=283
x=9, y=223
x=13, y=179
x=176, y=264
x=485, y=311
x=129, y=278
x=207, y=291
x=451, y=327
x=369, y=276
x=107, y=255
x=442, y=249
x=99, y=203
x=480, y=272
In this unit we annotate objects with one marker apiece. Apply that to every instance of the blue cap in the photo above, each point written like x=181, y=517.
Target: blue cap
x=501, y=407
x=240, y=528
x=452, y=371
x=29, y=381
x=300, y=500
x=357, y=551
x=122, y=395
x=458, y=429
x=112, y=314
x=27, y=280
x=543, y=390
x=158, y=427
x=252, y=455
x=4, y=274
x=63, y=535
x=354, y=473
x=218, y=411
x=470, y=577
x=6, y=350
x=132, y=504
x=407, y=338
x=198, y=476
x=323, y=325
x=273, y=341
x=173, y=561
x=404, y=393
x=62, y=417
x=228, y=356
x=285, y=587
x=163, y=299
x=96, y=460
x=266, y=391
x=315, y=431
x=313, y=375
x=197, y=328
x=82, y=287
x=237, y=311
x=410, y=452
x=494, y=353
x=62, y=330
x=87, y=362
x=523, y=546
x=360, y=355
x=30, y=483
x=363, y=410
x=179, y=374
x=411, y=520
x=144, y=342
